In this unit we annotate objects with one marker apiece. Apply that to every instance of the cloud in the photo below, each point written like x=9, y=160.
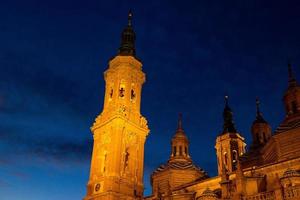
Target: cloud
x=58, y=149
x=36, y=128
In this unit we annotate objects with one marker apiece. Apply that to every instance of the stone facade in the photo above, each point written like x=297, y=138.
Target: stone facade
x=120, y=131
x=267, y=170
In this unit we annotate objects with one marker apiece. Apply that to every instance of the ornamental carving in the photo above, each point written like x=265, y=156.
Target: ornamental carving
x=131, y=138
x=105, y=139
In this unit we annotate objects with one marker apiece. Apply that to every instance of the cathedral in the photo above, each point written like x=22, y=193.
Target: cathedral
x=268, y=170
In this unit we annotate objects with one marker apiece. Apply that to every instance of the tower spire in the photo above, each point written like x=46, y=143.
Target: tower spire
x=259, y=117
x=179, y=125
x=179, y=144
x=292, y=79
x=228, y=118
x=129, y=17
x=127, y=47
x=257, y=107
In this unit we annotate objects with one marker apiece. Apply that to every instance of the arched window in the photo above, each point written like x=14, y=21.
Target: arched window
x=225, y=158
x=234, y=155
x=132, y=95
x=174, y=150
x=126, y=159
x=257, y=137
x=122, y=92
x=265, y=138
x=111, y=93
x=294, y=107
x=104, y=163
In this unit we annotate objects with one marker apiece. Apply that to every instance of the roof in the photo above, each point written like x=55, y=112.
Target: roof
x=179, y=166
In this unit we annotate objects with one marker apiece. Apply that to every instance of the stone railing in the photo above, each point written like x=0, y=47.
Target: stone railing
x=260, y=196
x=292, y=192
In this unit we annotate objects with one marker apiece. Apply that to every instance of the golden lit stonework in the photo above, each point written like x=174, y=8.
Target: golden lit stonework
x=269, y=169
x=120, y=130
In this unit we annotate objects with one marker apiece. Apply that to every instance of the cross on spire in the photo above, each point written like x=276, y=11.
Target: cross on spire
x=129, y=17
x=228, y=118
x=127, y=47
x=257, y=107
x=179, y=125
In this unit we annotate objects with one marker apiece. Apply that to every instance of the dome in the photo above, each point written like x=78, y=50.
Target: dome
x=207, y=194
x=180, y=166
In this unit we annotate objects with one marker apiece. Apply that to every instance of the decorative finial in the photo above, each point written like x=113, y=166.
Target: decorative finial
x=228, y=126
x=226, y=100
x=292, y=80
x=127, y=47
x=259, y=117
x=257, y=107
x=129, y=17
x=179, y=121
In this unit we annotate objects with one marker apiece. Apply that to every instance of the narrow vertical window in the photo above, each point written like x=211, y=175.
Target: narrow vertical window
x=111, y=93
x=225, y=158
x=122, y=92
x=104, y=163
x=132, y=95
x=180, y=150
x=185, y=150
x=174, y=151
x=257, y=137
x=126, y=160
x=294, y=107
x=265, y=138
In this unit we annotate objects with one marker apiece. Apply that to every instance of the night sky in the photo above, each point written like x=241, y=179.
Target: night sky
x=53, y=55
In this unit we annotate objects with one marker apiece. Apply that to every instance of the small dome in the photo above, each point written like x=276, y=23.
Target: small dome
x=290, y=173
x=180, y=134
x=208, y=193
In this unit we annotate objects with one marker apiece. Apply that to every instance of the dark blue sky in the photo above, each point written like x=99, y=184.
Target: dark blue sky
x=53, y=55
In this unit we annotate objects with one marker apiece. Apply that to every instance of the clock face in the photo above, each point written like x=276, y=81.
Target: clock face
x=97, y=187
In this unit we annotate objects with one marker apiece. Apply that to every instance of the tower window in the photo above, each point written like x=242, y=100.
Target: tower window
x=234, y=155
x=104, y=162
x=225, y=158
x=126, y=160
x=132, y=94
x=174, y=151
x=294, y=107
x=111, y=93
x=180, y=150
x=257, y=137
x=121, y=92
x=265, y=138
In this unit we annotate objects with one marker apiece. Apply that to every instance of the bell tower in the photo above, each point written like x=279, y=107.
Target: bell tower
x=120, y=131
x=291, y=97
x=229, y=144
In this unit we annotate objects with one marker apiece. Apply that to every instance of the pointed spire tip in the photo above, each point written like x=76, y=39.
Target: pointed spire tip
x=257, y=106
x=226, y=99
x=129, y=17
x=179, y=121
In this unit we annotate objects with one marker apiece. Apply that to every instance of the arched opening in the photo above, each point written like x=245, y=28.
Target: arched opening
x=225, y=159
x=132, y=95
x=174, y=150
x=294, y=107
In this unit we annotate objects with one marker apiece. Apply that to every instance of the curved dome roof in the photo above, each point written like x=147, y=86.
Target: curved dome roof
x=180, y=166
x=208, y=193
